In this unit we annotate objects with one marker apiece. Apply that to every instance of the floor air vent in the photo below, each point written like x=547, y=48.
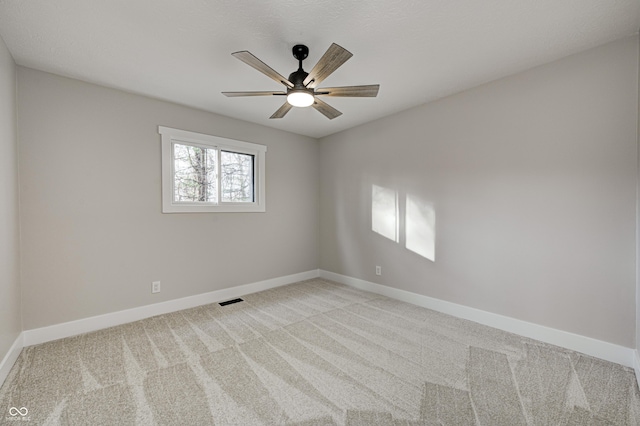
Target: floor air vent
x=229, y=302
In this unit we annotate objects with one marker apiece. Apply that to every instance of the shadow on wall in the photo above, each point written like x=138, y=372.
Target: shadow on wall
x=419, y=220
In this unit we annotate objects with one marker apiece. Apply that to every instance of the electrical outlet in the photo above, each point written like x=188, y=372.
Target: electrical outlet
x=155, y=287
x=378, y=270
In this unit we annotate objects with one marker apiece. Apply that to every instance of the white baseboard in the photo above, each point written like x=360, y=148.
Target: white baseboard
x=11, y=357
x=636, y=365
x=85, y=325
x=596, y=348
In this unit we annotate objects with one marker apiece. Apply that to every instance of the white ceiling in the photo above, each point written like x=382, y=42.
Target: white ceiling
x=417, y=50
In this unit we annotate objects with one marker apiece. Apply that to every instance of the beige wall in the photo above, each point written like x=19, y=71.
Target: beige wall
x=637, y=346
x=10, y=315
x=533, y=182
x=94, y=236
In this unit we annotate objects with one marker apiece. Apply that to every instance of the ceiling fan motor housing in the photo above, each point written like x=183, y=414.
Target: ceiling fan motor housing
x=297, y=78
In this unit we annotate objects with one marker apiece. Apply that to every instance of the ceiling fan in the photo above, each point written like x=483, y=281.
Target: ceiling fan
x=301, y=86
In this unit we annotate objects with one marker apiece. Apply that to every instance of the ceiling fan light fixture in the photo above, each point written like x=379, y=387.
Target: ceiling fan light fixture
x=300, y=98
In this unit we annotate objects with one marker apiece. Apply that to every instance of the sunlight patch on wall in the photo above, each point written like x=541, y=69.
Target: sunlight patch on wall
x=384, y=212
x=420, y=228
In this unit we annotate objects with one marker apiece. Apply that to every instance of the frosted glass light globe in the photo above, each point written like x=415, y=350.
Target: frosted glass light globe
x=300, y=99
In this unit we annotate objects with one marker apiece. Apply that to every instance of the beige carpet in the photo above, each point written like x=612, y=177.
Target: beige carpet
x=313, y=353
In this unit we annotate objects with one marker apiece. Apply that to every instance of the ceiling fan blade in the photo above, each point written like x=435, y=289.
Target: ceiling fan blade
x=326, y=109
x=367, y=91
x=282, y=111
x=256, y=63
x=330, y=61
x=235, y=94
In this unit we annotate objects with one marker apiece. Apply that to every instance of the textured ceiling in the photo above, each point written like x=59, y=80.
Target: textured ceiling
x=417, y=50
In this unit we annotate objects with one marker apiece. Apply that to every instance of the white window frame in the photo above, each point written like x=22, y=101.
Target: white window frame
x=172, y=136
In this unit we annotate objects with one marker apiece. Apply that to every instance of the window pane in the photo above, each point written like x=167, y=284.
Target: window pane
x=194, y=177
x=236, y=177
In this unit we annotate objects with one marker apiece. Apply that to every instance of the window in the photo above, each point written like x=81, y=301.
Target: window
x=203, y=173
